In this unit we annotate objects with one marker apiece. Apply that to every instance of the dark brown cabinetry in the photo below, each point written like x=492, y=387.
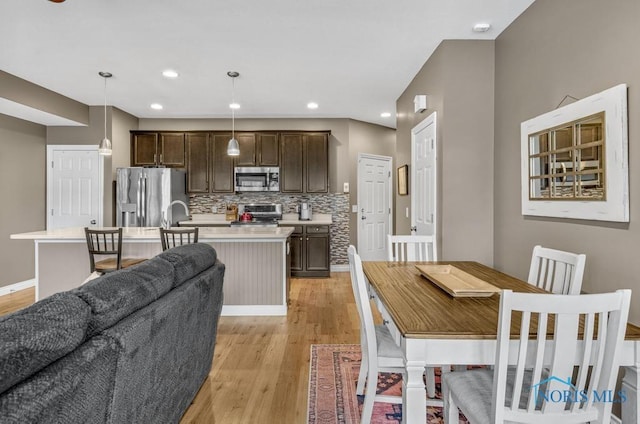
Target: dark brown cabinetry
x=209, y=168
x=257, y=149
x=303, y=157
x=304, y=163
x=309, y=246
x=158, y=149
x=197, y=163
x=221, y=164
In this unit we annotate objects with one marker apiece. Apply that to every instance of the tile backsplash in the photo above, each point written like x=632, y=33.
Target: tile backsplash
x=335, y=204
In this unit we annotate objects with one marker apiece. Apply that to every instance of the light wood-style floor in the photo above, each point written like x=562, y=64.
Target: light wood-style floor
x=260, y=368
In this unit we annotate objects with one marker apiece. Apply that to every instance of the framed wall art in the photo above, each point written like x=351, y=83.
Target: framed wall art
x=574, y=160
x=403, y=180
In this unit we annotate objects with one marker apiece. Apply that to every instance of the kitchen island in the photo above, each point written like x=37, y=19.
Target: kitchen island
x=256, y=259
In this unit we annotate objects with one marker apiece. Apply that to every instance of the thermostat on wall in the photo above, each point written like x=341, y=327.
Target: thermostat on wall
x=420, y=103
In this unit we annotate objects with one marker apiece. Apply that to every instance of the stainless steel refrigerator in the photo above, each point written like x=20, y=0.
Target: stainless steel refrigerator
x=143, y=196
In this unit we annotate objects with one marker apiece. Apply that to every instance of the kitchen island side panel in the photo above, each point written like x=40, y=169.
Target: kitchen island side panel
x=255, y=270
x=254, y=273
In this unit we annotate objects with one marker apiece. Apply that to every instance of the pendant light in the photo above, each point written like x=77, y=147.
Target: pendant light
x=233, y=148
x=105, y=145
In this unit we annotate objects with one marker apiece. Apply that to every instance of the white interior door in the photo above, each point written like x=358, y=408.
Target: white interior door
x=74, y=186
x=374, y=206
x=423, y=177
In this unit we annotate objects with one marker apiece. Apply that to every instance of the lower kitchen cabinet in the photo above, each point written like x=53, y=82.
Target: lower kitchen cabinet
x=310, y=251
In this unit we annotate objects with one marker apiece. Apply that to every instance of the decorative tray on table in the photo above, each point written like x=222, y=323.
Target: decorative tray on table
x=456, y=282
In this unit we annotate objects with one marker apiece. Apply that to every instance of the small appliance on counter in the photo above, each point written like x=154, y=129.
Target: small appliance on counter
x=305, y=211
x=258, y=215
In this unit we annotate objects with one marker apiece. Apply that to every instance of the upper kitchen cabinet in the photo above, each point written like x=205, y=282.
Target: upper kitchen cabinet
x=257, y=149
x=158, y=149
x=209, y=168
x=221, y=164
x=198, y=163
x=268, y=149
x=304, y=162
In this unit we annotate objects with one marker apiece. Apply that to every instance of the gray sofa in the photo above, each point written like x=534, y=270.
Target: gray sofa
x=133, y=346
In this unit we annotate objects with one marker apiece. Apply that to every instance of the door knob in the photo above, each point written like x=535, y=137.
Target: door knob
x=363, y=217
x=93, y=222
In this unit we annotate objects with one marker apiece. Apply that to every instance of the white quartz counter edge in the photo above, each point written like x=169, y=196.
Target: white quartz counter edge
x=281, y=222
x=152, y=233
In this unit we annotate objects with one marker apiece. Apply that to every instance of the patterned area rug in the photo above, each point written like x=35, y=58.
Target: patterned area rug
x=332, y=389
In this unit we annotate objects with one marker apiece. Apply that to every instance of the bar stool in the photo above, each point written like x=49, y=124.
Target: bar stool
x=178, y=237
x=107, y=242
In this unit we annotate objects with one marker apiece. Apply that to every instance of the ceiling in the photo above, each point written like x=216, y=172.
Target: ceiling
x=354, y=58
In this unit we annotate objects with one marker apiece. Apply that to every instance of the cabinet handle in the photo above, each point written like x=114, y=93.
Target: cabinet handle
x=155, y=158
x=160, y=157
x=385, y=322
x=300, y=238
x=307, y=238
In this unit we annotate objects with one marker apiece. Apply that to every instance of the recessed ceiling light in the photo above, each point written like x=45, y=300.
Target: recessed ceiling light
x=156, y=106
x=312, y=105
x=481, y=27
x=385, y=115
x=234, y=105
x=170, y=73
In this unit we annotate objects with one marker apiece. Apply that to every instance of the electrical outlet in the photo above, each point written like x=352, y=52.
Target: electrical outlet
x=354, y=208
x=406, y=212
x=214, y=209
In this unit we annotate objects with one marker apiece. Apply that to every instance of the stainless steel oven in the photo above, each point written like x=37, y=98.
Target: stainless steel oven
x=253, y=178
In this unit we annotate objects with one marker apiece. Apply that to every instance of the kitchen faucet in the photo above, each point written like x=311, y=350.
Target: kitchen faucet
x=166, y=220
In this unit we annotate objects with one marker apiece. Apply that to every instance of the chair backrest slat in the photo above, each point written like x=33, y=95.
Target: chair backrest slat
x=556, y=271
x=577, y=343
x=410, y=248
x=104, y=242
x=178, y=236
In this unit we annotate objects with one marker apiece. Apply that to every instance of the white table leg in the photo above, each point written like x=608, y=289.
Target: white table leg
x=631, y=407
x=414, y=401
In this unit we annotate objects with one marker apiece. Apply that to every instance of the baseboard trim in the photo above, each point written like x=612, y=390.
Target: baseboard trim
x=11, y=288
x=340, y=268
x=253, y=310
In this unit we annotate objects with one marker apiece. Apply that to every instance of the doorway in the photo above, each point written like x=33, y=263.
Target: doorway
x=424, y=178
x=374, y=206
x=74, y=186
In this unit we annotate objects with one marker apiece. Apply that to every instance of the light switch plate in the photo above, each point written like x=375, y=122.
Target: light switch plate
x=345, y=188
x=354, y=208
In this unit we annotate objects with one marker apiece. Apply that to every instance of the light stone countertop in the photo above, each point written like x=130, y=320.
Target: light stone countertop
x=287, y=219
x=152, y=233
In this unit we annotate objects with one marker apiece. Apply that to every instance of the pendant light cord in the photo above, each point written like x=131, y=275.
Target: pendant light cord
x=233, y=110
x=105, y=107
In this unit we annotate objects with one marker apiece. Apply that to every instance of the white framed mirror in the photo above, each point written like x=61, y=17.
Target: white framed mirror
x=574, y=160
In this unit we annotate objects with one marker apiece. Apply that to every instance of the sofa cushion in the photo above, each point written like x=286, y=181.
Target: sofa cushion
x=189, y=260
x=77, y=388
x=38, y=335
x=118, y=294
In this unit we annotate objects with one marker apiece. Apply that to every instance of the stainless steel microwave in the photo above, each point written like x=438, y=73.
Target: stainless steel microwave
x=254, y=178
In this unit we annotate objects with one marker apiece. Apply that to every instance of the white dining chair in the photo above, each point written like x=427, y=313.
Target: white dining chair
x=554, y=373
x=402, y=248
x=556, y=271
x=411, y=248
x=379, y=351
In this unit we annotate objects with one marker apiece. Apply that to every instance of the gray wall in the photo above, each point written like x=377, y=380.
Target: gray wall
x=22, y=188
x=92, y=134
x=29, y=94
x=575, y=47
x=372, y=139
x=459, y=82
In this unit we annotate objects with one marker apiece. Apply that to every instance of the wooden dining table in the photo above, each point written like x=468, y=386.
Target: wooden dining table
x=434, y=328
